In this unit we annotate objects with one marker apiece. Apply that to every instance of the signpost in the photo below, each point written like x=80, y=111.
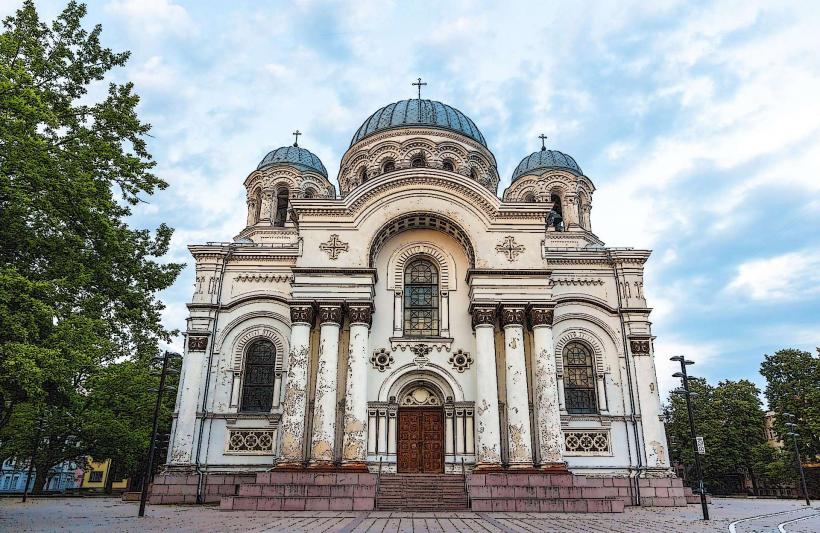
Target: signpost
x=701, y=445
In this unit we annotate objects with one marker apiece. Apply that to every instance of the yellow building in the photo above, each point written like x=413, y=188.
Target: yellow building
x=96, y=476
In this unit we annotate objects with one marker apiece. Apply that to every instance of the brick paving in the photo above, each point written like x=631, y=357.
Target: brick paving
x=107, y=514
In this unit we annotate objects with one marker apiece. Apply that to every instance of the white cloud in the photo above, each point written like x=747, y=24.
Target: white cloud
x=787, y=277
x=703, y=354
x=153, y=17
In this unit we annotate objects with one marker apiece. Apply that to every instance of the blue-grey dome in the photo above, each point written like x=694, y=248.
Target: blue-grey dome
x=544, y=159
x=419, y=112
x=296, y=156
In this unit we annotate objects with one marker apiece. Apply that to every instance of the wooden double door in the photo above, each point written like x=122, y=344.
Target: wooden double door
x=421, y=440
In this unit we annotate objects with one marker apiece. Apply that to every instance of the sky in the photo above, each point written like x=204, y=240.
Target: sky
x=698, y=122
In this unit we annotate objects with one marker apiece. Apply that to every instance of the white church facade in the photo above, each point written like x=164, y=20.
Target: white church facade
x=414, y=321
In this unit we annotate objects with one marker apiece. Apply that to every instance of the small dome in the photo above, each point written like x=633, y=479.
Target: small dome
x=296, y=156
x=544, y=159
x=419, y=112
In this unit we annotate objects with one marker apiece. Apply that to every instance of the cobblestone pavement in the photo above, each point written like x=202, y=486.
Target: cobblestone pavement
x=107, y=514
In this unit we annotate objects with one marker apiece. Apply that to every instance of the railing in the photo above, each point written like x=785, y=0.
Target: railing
x=466, y=485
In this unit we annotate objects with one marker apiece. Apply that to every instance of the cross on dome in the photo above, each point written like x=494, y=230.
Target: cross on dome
x=419, y=84
x=543, y=141
x=296, y=135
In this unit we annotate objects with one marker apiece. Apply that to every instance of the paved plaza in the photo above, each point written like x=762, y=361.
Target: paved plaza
x=107, y=514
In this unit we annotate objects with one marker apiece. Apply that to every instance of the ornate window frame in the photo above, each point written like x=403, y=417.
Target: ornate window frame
x=242, y=343
x=595, y=344
x=447, y=276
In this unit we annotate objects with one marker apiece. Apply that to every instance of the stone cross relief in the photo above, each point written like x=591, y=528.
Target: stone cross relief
x=334, y=247
x=510, y=248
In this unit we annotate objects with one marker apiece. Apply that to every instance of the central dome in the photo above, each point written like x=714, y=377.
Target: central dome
x=417, y=112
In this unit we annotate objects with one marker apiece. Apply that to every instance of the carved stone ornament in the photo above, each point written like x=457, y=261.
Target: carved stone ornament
x=334, y=247
x=483, y=316
x=421, y=351
x=512, y=316
x=330, y=314
x=510, y=248
x=301, y=314
x=461, y=360
x=381, y=359
x=639, y=347
x=197, y=344
x=360, y=314
x=541, y=316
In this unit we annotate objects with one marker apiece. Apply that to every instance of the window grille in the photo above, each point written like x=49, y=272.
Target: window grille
x=579, y=379
x=421, y=316
x=586, y=442
x=260, y=371
x=255, y=441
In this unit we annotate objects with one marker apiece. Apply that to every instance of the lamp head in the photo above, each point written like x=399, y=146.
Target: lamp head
x=676, y=358
x=677, y=375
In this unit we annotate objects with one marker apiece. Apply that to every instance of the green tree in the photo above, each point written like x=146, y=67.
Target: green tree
x=730, y=419
x=78, y=285
x=793, y=386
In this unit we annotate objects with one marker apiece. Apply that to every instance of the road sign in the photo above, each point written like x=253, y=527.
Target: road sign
x=701, y=445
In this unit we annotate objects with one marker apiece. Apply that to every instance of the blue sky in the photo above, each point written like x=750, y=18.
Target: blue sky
x=698, y=122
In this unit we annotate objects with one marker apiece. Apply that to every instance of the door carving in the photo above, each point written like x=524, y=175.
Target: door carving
x=421, y=440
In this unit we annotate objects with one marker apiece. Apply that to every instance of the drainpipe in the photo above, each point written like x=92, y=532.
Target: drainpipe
x=629, y=384
x=199, y=496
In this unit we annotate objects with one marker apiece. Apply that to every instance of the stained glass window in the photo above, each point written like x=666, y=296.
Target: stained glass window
x=421, y=299
x=260, y=369
x=579, y=379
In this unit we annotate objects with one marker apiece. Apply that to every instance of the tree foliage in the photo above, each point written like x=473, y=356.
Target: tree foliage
x=78, y=285
x=793, y=386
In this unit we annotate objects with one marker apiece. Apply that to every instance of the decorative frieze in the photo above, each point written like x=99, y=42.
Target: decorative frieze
x=301, y=314
x=334, y=247
x=330, y=314
x=461, y=360
x=639, y=346
x=197, y=344
x=360, y=314
x=541, y=316
x=381, y=359
x=586, y=442
x=512, y=316
x=510, y=248
x=250, y=441
x=483, y=316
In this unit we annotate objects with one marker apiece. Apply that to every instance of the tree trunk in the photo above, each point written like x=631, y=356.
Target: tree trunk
x=109, y=480
x=41, y=473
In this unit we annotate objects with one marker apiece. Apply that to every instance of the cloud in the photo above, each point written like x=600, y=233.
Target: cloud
x=152, y=18
x=703, y=354
x=787, y=277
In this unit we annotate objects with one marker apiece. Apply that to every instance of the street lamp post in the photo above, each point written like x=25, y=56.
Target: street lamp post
x=794, y=434
x=687, y=394
x=166, y=359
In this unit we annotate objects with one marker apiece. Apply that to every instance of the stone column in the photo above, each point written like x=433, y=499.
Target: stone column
x=190, y=381
x=518, y=405
x=548, y=409
x=488, y=431
x=354, y=447
x=295, y=406
x=324, y=413
x=646, y=381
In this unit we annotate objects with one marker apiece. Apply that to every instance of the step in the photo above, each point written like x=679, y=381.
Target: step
x=551, y=505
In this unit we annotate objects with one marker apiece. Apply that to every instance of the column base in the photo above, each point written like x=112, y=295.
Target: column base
x=290, y=466
x=323, y=466
x=355, y=466
x=554, y=468
x=481, y=468
x=521, y=466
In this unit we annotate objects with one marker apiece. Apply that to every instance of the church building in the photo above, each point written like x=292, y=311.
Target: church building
x=417, y=322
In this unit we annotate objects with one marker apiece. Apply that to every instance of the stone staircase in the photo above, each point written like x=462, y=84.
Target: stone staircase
x=304, y=491
x=422, y=492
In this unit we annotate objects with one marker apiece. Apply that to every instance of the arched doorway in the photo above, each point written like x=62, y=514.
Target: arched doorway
x=420, y=430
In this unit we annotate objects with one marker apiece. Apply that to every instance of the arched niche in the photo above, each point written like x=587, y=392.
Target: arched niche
x=421, y=220
x=431, y=375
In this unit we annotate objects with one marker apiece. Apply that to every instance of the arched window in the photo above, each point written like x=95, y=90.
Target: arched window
x=529, y=197
x=257, y=198
x=556, y=204
x=473, y=174
x=418, y=162
x=579, y=379
x=421, y=299
x=389, y=166
x=310, y=192
x=448, y=165
x=363, y=175
x=260, y=369
x=281, y=207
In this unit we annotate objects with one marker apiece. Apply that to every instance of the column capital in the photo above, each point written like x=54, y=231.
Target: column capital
x=360, y=313
x=483, y=316
x=512, y=316
x=330, y=313
x=541, y=316
x=301, y=314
